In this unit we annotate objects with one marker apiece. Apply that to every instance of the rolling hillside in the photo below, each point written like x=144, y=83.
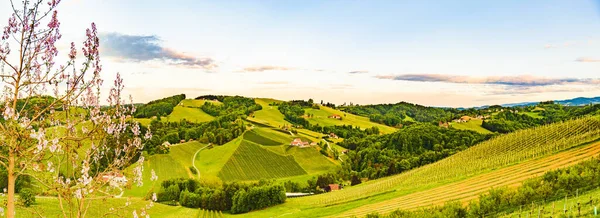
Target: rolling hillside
x=504, y=160
x=261, y=153
x=321, y=117
x=473, y=125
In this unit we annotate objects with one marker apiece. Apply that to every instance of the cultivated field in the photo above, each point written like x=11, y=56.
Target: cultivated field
x=188, y=113
x=252, y=162
x=268, y=115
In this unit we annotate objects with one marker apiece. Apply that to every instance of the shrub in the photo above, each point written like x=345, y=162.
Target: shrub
x=27, y=197
x=193, y=169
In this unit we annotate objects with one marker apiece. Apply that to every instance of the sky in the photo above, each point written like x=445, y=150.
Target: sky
x=436, y=53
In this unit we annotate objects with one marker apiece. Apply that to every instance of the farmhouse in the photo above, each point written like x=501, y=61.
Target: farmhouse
x=332, y=187
x=335, y=116
x=298, y=142
x=443, y=124
x=333, y=136
x=114, y=178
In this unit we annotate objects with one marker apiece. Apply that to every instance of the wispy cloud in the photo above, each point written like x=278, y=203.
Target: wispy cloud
x=493, y=80
x=147, y=48
x=585, y=59
x=358, y=72
x=274, y=83
x=266, y=68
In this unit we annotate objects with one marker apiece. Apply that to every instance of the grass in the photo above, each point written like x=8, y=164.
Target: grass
x=473, y=125
x=311, y=160
x=197, y=103
x=252, y=162
x=533, y=114
x=165, y=166
x=190, y=114
x=49, y=207
x=320, y=116
x=210, y=161
x=269, y=115
x=184, y=153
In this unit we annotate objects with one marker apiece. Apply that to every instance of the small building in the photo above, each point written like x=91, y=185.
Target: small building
x=114, y=178
x=333, y=136
x=182, y=141
x=298, y=142
x=465, y=118
x=345, y=151
x=333, y=187
x=335, y=116
x=313, y=143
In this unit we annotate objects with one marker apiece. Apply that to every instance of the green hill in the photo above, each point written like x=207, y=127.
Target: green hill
x=251, y=162
x=321, y=117
x=473, y=125
x=188, y=113
x=488, y=163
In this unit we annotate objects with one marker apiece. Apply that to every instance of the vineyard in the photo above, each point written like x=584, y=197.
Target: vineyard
x=471, y=188
x=264, y=136
x=501, y=151
x=209, y=214
x=251, y=162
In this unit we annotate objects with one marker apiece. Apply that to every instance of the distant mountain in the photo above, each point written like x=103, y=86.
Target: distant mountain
x=570, y=102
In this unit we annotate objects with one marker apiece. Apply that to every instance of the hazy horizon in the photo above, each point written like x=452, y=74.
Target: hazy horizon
x=447, y=54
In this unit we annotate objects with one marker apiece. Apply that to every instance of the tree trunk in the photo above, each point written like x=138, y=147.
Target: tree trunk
x=11, y=186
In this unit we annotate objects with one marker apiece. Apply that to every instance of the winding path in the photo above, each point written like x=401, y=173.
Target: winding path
x=194, y=159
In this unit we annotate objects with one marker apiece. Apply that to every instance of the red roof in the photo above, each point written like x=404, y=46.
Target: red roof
x=333, y=187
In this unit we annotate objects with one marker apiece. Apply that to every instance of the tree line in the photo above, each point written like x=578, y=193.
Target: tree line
x=160, y=107
x=234, y=197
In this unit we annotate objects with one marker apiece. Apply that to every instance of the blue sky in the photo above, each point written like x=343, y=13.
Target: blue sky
x=442, y=53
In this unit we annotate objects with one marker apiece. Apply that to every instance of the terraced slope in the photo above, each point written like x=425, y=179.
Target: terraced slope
x=251, y=162
x=267, y=137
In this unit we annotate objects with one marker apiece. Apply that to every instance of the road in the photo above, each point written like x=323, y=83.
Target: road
x=194, y=159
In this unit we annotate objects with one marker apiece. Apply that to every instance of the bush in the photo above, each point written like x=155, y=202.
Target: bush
x=193, y=169
x=27, y=197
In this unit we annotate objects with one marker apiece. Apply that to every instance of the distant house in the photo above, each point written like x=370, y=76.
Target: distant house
x=166, y=144
x=182, y=141
x=313, y=143
x=335, y=116
x=299, y=143
x=333, y=136
x=114, y=178
x=333, y=187
x=443, y=124
x=345, y=151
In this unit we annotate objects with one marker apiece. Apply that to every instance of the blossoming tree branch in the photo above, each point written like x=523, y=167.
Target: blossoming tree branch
x=53, y=128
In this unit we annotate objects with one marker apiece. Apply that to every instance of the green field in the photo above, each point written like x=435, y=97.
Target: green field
x=473, y=125
x=197, y=103
x=188, y=113
x=165, y=166
x=49, y=207
x=252, y=162
x=269, y=115
x=210, y=161
x=320, y=116
x=533, y=114
x=184, y=154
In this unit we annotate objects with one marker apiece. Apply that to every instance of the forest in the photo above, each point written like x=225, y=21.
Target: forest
x=160, y=107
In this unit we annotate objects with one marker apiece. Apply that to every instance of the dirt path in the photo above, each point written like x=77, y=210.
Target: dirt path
x=194, y=159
